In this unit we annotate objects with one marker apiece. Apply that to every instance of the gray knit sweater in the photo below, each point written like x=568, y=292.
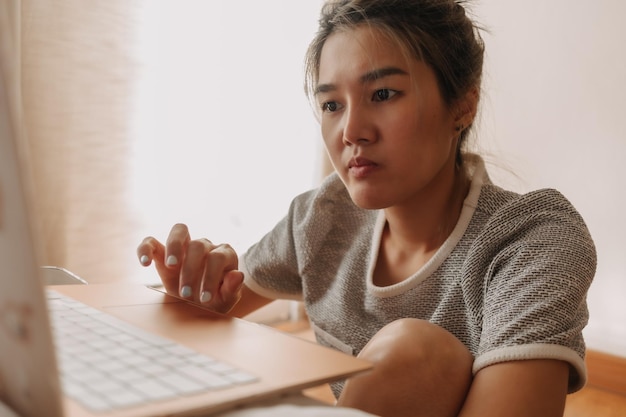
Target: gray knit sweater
x=510, y=282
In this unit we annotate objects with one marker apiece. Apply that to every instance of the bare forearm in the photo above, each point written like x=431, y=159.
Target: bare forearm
x=518, y=389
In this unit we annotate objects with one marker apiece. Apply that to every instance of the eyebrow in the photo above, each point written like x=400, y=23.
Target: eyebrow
x=366, y=78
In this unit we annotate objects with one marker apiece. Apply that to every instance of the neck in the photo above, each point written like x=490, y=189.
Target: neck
x=425, y=222
x=416, y=230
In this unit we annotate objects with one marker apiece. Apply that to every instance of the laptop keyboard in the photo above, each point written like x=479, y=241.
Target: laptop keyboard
x=107, y=364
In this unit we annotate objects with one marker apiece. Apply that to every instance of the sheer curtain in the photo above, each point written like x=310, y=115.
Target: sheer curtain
x=10, y=57
x=77, y=81
x=140, y=114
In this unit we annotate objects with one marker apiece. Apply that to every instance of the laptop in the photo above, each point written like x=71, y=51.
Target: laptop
x=269, y=363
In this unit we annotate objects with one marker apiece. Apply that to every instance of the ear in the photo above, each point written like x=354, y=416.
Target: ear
x=465, y=109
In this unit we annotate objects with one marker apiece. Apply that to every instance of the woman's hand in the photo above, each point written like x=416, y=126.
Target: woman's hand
x=196, y=270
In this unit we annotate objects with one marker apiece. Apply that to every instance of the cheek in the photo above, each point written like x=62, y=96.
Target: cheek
x=426, y=128
x=332, y=138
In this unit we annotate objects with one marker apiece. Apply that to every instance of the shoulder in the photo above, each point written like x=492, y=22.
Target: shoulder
x=328, y=203
x=503, y=220
x=499, y=202
x=532, y=240
x=525, y=235
x=545, y=213
x=326, y=217
x=330, y=192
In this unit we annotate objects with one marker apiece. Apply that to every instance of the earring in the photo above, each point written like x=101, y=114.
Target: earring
x=459, y=128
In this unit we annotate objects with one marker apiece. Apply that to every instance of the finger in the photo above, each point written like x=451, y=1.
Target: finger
x=220, y=261
x=192, y=270
x=230, y=291
x=176, y=245
x=228, y=294
x=233, y=281
x=148, y=249
x=151, y=250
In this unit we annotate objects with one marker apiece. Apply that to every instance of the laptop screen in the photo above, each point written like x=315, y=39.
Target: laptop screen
x=28, y=379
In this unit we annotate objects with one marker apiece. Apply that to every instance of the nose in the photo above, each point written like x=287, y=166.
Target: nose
x=358, y=126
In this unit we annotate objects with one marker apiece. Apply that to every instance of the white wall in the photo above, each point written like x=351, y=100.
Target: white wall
x=553, y=115
x=225, y=136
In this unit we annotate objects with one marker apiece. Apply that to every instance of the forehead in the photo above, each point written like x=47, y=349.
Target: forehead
x=358, y=50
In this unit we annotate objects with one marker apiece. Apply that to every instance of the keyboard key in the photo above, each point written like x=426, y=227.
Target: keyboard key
x=108, y=364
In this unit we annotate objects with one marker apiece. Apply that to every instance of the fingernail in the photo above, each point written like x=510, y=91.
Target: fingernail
x=205, y=297
x=185, y=291
x=171, y=260
x=144, y=260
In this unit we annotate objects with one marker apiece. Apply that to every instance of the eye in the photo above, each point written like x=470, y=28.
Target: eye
x=383, y=94
x=330, y=106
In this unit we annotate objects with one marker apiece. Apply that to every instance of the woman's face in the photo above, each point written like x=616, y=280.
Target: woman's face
x=387, y=130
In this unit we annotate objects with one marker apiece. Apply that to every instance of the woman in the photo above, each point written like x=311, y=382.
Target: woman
x=469, y=299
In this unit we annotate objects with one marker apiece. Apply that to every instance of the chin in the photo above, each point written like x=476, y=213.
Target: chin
x=368, y=201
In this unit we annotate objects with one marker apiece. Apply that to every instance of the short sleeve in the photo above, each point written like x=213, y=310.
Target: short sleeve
x=319, y=223
x=535, y=291
x=270, y=266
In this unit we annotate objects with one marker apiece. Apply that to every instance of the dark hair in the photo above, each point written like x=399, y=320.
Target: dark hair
x=437, y=32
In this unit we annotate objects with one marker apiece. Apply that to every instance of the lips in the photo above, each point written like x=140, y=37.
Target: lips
x=359, y=162
x=361, y=167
